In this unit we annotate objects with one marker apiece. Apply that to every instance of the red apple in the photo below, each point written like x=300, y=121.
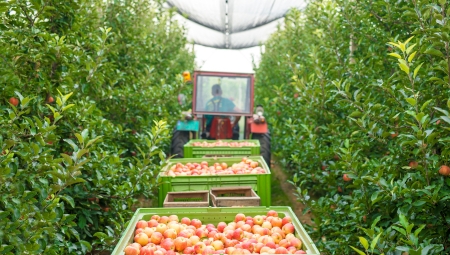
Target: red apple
x=276, y=222
x=286, y=219
x=146, y=250
x=156, y=217
x=186, y=220
x=238, y=234
x=300, y=252
x=164, y=219
x=189, y=250
x=141, y=239
x=272, y=213
x=173, y=218
x=239, y=217
x=281, y=250
x=170, y=233
x=258, y=220
x=14, y=101
x=161, y=228
x=131, y=250
x=153, y=223
x=288, y=228
x=168, y=244
x=297, y=243
x=221, y=226
x=196, y=223
x=141, y=224
x=199, y=247
x=156, y=238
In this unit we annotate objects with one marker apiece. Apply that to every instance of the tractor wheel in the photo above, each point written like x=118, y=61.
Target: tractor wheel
x=264, y=140
x=179, y=139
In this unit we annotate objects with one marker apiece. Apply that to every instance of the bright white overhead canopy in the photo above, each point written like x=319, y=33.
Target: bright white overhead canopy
x=232, y=24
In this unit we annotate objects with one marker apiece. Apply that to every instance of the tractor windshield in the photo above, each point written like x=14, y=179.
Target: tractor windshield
x=225, y=94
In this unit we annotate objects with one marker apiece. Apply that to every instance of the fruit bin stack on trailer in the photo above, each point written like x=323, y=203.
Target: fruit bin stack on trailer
x=226, y=230
x=202, y=174
x=230, y=148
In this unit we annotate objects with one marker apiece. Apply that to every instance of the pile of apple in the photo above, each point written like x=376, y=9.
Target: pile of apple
x=262, y=234
x=246, y=166
x=222, y=144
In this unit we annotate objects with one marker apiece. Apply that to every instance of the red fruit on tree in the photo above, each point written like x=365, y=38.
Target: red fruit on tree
x=346, y=178
x=444, y=170
x=413, y=164
x=50, y=100
x=14, y=101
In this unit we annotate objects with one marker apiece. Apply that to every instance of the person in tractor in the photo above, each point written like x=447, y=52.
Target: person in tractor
x=221, y=104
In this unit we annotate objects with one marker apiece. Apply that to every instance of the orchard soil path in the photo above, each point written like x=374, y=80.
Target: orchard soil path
x=281, y=177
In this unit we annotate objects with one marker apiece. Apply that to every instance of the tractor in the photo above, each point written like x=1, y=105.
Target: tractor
x=219, y=102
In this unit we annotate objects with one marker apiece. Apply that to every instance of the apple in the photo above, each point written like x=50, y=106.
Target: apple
x=258, y=220
x=277, y=237
x=50, y=100
x=238, y=234
x=218, y=245
x=199, y=247
x=288, y=228
x=136, y=245
x=264, y=250
x=168, y=244
x=146, y=250
x=276, y=222
x=271, y=245
x=156, y=238
x=148, y=231
x=281, y=250
x=291, y=249
x=444, y=170
x=164, y=219
x=286, y=219
x=346, y=178
x=194, y=239
x=139, y=230
x=152, y=223
x=221, y=226
x=239, y=217
x=131, y=250
x=188, y=250
x=272, y=213
x=284, y=243
x=141, y=239
x=297, y=243
x=156, y=217
x=186, y=220
x=257, y=247
x=161, y=228
x=170, y=233
x=267, y=224
x=196, y=223
x=300, y=252
x=202, y=233
x=141, y=224
x=208, y=250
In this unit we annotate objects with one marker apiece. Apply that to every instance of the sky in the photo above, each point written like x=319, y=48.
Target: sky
x=226, y=60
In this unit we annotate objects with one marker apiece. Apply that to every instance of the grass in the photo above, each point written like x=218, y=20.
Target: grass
x=279, y=197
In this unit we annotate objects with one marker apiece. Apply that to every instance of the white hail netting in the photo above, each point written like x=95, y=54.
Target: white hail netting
x=232, y=24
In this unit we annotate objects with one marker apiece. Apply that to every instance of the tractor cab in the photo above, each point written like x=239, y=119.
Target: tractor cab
x=222, y=108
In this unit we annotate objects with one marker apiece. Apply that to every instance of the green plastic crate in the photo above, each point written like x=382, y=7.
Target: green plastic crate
x=214, y=215
x=191, y=151
x=260, y=183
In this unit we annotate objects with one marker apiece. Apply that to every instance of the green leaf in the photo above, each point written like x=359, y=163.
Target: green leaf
x=401, y=230
x=448, y=103
x=3, y=214
x=446, y=119
x=434, y=52
x=358, y=251
x=403, y=66
x=80, y=138
x=411, y=101
x=364, y=242
x=71, y=143
x=410, y=48
x=416, y=233
x=355, y=114
x=409, y=39
x=403, y=220
x=419, y=203
x=67, y=107
x=393, y=54
x=374, y=242
x=416, y=70
x=425, y=105
x=411, y=57
x=69, y=200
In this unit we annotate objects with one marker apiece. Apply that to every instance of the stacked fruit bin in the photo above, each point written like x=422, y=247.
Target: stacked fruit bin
x=227, y=230
x=231, y=148
x=197, y=174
